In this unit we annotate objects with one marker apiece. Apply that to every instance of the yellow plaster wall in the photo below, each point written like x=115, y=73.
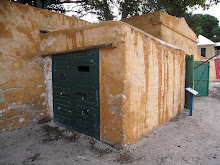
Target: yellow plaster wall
x=149, y=23
x=168, y=28
x=154, y=84
x=112, y=99
x=175, y=38
x=69, y=39
x=23, y=93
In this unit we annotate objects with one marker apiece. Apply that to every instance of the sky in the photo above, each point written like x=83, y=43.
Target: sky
x=214, y=11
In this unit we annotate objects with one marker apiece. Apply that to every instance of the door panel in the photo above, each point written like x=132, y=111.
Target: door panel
x=201, y=79
x=189, y=81
x=76, y=91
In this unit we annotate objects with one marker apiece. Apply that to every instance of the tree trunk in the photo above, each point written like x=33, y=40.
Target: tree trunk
x=124, y=9
x=107, y=12
x=39, y=4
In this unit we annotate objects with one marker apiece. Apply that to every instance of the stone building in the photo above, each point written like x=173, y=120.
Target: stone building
x=110, y=80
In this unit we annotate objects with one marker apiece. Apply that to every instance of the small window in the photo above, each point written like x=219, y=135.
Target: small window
x=203, y=52
x=83, y=68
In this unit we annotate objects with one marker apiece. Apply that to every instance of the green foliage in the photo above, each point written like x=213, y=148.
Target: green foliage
x=101, y=8
x=205, y=25
x=129, y=8
x=179, y=8
x=216, y=34
x=105, y=9
x=195, y=23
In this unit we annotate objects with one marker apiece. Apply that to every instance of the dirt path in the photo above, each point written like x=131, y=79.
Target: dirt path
x=184, y=140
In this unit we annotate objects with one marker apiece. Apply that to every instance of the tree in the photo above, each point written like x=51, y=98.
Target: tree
x=205, y=25
x=179, y=8
x=129, y=8
x=195, y=23
x=101, y=8
x=216, y=34
x=111, y=9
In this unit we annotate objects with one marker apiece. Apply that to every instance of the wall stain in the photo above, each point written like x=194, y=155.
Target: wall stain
x=174, y=87
x=26, y=31
x=5, y=33
x=159, y=65
x=147, y=70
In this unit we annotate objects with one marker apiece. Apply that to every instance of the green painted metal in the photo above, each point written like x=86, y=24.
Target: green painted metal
x=201, y=78
x=76, y=91
x=189, y=79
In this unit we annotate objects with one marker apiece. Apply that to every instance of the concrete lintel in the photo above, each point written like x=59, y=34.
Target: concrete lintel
x=90, y=47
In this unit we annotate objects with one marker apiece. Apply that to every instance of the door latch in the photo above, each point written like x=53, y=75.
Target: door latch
x=85, y=111
x=81, y=94
x=63, y=93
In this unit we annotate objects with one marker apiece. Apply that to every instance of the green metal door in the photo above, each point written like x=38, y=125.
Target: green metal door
x=201, y=78
x=76, y=91
x=189, y=78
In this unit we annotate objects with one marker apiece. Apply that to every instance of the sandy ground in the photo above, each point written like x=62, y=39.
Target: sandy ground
x=184, y=140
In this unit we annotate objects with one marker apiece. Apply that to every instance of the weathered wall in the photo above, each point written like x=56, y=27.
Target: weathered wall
x=155, y=81
x=22, y=85
x=210, y=50
x=170, y=29
x=141, y=78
